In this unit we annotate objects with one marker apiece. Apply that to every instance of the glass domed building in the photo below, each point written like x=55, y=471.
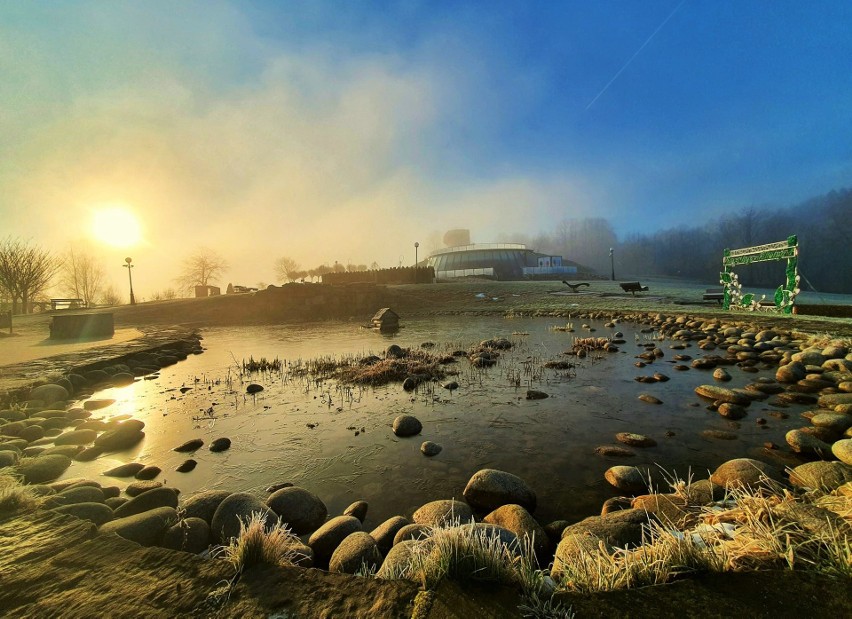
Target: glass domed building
x=501, y=261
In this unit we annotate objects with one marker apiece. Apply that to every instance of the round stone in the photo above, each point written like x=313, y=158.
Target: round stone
x=407, y=425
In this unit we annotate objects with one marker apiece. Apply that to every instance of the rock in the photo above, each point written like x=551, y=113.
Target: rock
x=412, y=532
x=410, y=383
x=819, y=522
x=32, y=433
x=394, y=352
x=148, y=500
x=235, y=509
x=355, y=550
x=80, y=494
x=703, y=492
x=722, y=435
x=124, y=436
x=447, y=511
x=834, y=421
x=43, y=468
x=98, y=513
x=721, y=374
x=49, y=393
x=533, y=394
x=791, y=373
x=842, y=450
x=9, y=457
x=358, y=509
x=832, y=400
x=301, y=510
x=407, y=425
x=89, y=454
x=138, y=487
x=63, y=450
x=650, y=399
x=186, y=466
x=397, y=560
x=146, y=528
x=115, y=502
x=614, y=451
x=554, y=531
x=220, y=444
x=574, y=549
x=125, y=470
x=189, y=535
x=612, y=504
x=278, y=486
x=191, y=445
x=93, y=405
x=731, y=411
x=428, y=448
x=385, y=533
x=635, y=440
x=203, y=504
x=254, y=388
x=96, y=377
x=328, y=537
x=619, y=528
x=488, y=489
x=819, y=475
x=516, y=519
x=716, y=393
x=669, y=509
x=746, y=472
x=148, y=472
x=627, y=479
x=805, y=443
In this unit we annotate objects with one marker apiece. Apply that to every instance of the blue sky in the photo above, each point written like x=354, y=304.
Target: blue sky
x=347, y=130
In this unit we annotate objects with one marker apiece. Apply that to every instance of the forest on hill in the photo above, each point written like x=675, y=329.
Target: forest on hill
x=822, y=224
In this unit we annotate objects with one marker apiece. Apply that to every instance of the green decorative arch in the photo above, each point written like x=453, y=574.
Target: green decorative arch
x=785, y=295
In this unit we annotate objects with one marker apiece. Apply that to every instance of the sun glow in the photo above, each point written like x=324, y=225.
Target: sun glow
x=116, y=226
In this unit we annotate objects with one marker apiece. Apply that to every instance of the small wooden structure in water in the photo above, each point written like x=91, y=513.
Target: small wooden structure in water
x=385, y=320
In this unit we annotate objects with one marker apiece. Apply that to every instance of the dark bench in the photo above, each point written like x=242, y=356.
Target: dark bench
x=714, y=294
x=633, y=287
x=6, y=320
x=82, y=326
x=67, y=303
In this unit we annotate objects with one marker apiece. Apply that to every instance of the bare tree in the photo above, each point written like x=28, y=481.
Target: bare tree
x=80, y=276
x=25, y=271
x=201, y=268
x=110, y=297
x=286, y=269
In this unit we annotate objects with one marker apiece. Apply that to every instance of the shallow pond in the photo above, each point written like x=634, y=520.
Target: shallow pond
x=351, y=453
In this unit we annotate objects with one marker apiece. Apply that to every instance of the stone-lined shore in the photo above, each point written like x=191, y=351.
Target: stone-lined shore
x=54, y=429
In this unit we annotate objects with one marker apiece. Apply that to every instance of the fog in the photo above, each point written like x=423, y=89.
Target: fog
x=348, y=135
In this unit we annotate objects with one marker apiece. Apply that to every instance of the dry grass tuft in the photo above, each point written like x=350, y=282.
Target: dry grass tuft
x=15, y=496
x=258, y=544
x=416, y=363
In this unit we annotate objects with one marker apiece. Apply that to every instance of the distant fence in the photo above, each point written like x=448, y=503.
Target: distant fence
x=398, y=275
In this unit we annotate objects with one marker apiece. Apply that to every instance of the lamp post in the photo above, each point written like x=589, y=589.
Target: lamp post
x=612, y=263
x=130, y=278
x=416, y=245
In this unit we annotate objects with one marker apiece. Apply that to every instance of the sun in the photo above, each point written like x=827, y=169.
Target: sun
x=116, y=225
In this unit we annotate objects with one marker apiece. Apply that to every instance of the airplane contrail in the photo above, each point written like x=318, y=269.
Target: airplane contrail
x=626, y=64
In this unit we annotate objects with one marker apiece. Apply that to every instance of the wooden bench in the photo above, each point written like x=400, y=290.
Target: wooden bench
x=67, y=304
x=714, y=294
x=633, y=287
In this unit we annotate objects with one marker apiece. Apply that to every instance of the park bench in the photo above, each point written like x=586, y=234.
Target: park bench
x=67, y=304
x=633, y=287
x=714, y=294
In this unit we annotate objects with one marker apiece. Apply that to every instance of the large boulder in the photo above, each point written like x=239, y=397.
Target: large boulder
x=235, y=510
x=573, y=549
x=43, y=468
x=98, y=513
x=79, y=494
x=745, y=472
x=397, y=560
x=189, y=535
x=49, y=393
x=385, y=533
x=146, y=528
x=76, y=437
x=357, y=509
x=670, y=509
x=842, y=450
x=819, y=475
x=516, y=519
x=356, y=550
x=488, y=489
x=150, y=499
x=618, y=528
x=328, y=537
x=445, y=511
x=806, y=443
x=415, y=532
x=123, y=436
x=203, y=504
x=299, y=509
